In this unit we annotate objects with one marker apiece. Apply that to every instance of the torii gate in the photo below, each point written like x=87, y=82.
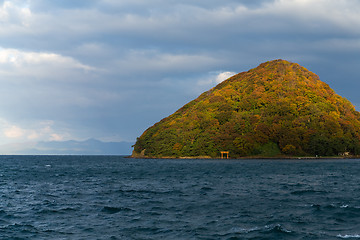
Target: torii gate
x=223, y=153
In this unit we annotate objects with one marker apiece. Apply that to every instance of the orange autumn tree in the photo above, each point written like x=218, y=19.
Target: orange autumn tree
x=276, y=109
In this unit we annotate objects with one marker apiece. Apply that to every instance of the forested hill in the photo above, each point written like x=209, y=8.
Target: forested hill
x=277, y=109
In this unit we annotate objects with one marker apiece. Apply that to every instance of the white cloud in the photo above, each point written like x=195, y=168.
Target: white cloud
x=14, y=62
x=39, y=131
x=13, y=132
x=56, y=137
x=33, y=135
x=11, y=13
x=317, y=14
x=91, y=49
x=223, y=76
x=212, y=79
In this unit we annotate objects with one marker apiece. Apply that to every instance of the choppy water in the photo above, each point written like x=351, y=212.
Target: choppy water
x=109, y=197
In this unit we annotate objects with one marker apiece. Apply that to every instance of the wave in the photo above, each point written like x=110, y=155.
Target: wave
x=143, y=191
x=207, y=189
x=244, y=230
x=65, y=210
x=113, y=210
x=168, y=201
x=346, y=206
x=275, y=229
x=16, y=227
x=4, y=214
x=308, y=191
x=349, y=236
x=336, y=206
x=278, y=228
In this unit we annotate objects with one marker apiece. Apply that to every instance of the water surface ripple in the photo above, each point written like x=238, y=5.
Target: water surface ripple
x=112, y=197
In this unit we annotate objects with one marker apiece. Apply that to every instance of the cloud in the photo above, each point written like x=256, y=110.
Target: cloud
x=338, y=45
x=210, y=80
x=151, y=61
x=223, y=76
x=14, y=62
x=11, y=13
x=13, y=132
x=188, y=21
x=100, y=67
x=38, y=131
x=56, y=137
x=127, y=29
x=341, y=13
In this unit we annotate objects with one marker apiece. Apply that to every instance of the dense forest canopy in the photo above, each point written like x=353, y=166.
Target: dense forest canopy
x=277, y=109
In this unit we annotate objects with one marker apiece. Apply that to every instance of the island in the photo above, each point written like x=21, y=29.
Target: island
x=278, y=109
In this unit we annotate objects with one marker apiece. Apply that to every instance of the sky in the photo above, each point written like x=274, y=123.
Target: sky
x=109, y=69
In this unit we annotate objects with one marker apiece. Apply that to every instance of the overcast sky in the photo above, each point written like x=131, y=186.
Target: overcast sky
x=109, y=69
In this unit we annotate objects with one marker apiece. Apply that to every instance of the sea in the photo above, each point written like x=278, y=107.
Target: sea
x=113, y=197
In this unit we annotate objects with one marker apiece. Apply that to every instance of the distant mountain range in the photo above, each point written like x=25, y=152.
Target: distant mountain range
x=72, y=147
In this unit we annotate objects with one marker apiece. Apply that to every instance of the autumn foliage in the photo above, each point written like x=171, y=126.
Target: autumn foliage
x=276, y=109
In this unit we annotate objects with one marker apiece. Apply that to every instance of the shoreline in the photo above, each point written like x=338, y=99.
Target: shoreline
x=249, y=157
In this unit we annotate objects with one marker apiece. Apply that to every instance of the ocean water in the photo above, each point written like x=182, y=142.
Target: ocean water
x=112, y=197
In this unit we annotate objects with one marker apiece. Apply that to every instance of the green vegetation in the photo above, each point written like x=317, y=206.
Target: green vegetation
x=276, y=109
